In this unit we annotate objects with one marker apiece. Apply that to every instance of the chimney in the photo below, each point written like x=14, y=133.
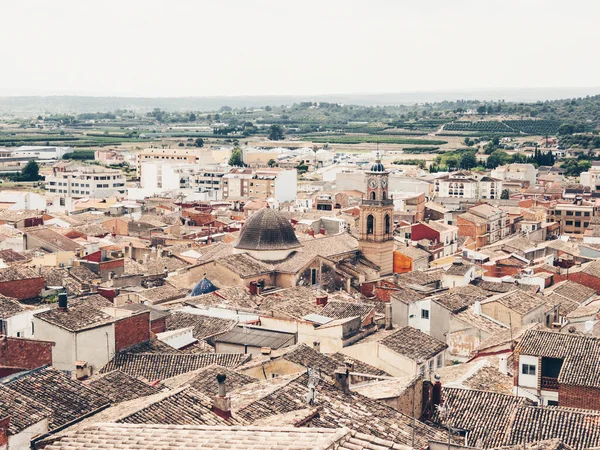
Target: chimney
x=221, y=401
x=321, y=300
x=129, y=250
x=62, y=301
x=159, y=251
x=388, y=316
x=4, y=424
x=253, y=288
x=349, y=365
x=477, y=308
x=436, y=396
x=342, y=379
x=266, y=351
x=503, y=365
x=321, y=230
x=317, y=346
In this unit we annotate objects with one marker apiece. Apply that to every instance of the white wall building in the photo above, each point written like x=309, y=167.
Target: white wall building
x=86, y=181
x=516, y=172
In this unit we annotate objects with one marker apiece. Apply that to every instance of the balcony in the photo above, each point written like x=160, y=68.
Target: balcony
x=386, y=202
x=549, y=383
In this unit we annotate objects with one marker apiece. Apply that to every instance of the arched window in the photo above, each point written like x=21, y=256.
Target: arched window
x=370, y=224
x=373, y=195
x=387, y=224
x=384, y=195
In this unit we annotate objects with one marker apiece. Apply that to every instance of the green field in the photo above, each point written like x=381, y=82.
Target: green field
x=373, y=139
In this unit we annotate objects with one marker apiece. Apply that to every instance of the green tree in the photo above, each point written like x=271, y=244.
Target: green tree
x=271, y=163
x=505, y=194
x=566, y=128
x=275, y=133
x=199, y=142
x=31, y=172
x=237, y=159
x=469, y=142
x=192, y=117
x=468, y=161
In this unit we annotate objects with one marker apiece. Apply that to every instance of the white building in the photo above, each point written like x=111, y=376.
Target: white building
x=35, y=153
x=516, y=172
x=86, y=181
x=23, y=200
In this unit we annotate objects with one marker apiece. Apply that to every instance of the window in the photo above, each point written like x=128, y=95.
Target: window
x=569, y=213
x=586, y=224
x=586, y=214
x=313, y=276
x=373, y=195
x=370, y=224
x=439, y=361
x=578, y=213
x=558, y=213
x=425, y=314
x=387, y=224
x=569, y=222
x=577, y=223
x=552, y=403
x=528, y=369
x=32, y=329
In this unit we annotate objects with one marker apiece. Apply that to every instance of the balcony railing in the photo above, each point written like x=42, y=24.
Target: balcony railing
x=386, y=202
x=550, y=384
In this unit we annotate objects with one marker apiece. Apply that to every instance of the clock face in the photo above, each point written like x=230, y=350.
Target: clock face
x=372, y=183
x=383, y=182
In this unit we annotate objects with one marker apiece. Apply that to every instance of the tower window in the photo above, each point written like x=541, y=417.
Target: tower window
x=373, y=195
x=384, y=195
x=370, y=224
x=387, y=224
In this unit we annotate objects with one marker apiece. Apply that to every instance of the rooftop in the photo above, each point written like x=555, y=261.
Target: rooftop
x=267, y=229
x=413, y=344
x=79, y=317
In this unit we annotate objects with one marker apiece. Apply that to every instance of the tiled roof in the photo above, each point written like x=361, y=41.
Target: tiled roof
x=468, y=316
x=17, y=273
x=236, y=297
x=244, y=265
x=550, y=444
x=506, y=336
x=185, y=406
x=83, y=274
x=459, y=269
x=519, y=301
x=54, y=240
x=157, y=266
x=193, y=437
x=351, y=410
x=485, y=415
x=10, y=256
x=459, y=298
x=204, y=326
x=23, y=411
x=413, y=344
x=577, y=428
x=159, y=366
x=9, y=307
x=342, y=310
x=592, y=268
x=155, y=314
x=161, y=294
x=494, y=287
x=574, y=291
x=255, y=336
x=95, y=301
x=68, y=399
x=413, y=252
x=76, y=318
x=308, y=358
x=205, y=380
x=120, y=387
x=581, y=355
x=151, y=346
x=60, y=277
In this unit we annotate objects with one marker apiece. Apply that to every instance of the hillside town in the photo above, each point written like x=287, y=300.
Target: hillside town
x=293, y=297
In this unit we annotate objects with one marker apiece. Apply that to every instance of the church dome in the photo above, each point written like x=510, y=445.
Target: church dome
x=204, y=286
x=267, y=230
x=377, y=166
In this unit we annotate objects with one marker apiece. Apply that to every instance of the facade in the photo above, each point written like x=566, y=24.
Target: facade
x=86, y=181
x=522, y=173
x=574, y=218
x=279, y=184
x=376, y=224
x=484, y=224
x=438, y=233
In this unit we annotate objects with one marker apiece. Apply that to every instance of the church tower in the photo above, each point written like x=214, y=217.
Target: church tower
x=376, y=222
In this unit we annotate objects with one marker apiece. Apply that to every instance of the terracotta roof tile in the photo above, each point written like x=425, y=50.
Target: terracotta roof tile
x=413, y=344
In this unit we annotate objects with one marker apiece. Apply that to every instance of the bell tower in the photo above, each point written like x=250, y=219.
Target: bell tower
x=376, y=222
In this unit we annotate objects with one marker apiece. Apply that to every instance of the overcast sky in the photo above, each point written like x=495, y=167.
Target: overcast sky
x=262, y=47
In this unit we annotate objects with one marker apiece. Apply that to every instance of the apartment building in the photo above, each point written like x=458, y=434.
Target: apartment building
x=278, y=184
x=522, y=173
x=184, y=155
x=574, y=218
x=465, y=186
x=79, y=181
x=484, y=224
x=165, y=176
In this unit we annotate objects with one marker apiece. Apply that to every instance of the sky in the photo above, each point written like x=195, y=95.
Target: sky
x=166, y=48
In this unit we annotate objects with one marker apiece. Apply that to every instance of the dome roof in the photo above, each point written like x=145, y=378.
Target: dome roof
x=204, y=286
x=377, y=167
x=267, y=229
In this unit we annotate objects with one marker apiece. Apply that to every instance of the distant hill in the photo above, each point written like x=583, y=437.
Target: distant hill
x=30, y=105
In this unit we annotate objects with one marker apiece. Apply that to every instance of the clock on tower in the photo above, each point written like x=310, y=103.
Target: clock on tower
x=376, y=241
